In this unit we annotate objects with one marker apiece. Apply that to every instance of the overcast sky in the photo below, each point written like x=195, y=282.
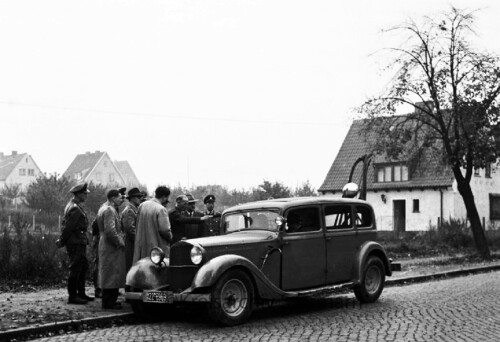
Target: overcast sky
x=195, y=92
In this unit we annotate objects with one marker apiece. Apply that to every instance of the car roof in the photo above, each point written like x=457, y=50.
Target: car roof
x=285, y=203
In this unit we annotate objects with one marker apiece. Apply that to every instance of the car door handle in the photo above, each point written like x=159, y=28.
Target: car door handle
x=328, y=238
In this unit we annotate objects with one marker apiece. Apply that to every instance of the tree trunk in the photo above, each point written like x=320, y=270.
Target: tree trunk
x=475, y=222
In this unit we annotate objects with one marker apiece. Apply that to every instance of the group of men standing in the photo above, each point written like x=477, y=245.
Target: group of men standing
x=122, y=238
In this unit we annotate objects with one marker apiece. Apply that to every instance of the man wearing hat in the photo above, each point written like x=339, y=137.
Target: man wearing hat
x=179, y=220
x=128, y=219
x=111, y=250
x=74, y=237
x=192, y=229
x=211, y=226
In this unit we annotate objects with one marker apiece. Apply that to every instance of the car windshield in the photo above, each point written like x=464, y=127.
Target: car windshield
x=259, y=219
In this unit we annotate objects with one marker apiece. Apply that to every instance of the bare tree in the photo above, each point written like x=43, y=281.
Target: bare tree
x=12, y=192
x=454, y=89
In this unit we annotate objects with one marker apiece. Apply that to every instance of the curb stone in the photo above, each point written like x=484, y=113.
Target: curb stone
x=8, y=335
x=56, y=326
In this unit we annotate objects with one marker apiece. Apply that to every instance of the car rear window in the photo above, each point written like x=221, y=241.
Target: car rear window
x=338, y=217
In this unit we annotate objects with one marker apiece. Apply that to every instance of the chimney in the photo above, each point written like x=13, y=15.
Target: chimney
x=14, y=153
x=425, y=106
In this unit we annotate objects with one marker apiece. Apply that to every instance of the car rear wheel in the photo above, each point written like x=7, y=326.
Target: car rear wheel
x=232, y=298
x=372, y=281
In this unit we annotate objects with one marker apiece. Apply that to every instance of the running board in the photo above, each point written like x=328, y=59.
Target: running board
x=325, y=290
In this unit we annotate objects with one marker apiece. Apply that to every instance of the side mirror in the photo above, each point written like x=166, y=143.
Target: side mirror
x=350, y=190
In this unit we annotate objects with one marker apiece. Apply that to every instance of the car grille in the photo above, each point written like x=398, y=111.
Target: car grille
x=180, y=254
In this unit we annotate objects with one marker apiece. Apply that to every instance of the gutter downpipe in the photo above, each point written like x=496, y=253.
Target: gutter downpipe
x=441, y=208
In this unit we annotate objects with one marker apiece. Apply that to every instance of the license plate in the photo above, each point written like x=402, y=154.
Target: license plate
x=158, y=297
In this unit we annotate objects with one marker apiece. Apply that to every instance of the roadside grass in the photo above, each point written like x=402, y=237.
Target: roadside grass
x=453, y=238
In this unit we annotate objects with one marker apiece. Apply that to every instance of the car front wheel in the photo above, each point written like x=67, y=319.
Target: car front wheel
x=232, y=298
x=372, y=281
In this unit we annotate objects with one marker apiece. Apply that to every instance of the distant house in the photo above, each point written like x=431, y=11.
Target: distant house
x=18, y=168
x=97, y=167
x=128, y=174
x=412, y=197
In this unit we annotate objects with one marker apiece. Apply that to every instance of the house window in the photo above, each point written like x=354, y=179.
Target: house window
x=105, y=163
x=494, y=206
x=476, y=171
x=392, y=173
x=487, y=171
x=98, y=176
x=22, y=172
x=416, y=206
x=31, y=172
x=111, y=177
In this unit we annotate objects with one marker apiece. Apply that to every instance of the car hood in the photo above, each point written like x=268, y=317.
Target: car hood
x=246, y=236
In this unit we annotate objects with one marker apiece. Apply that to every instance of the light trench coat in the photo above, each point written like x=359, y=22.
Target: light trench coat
x=152, y=229
x=111, y=266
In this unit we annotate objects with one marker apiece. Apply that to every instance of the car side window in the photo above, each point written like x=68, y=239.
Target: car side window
x=303, y=220
x=363, y=217
x=338, y=217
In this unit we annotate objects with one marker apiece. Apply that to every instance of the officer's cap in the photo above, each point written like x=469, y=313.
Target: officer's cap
x=122, y=191
x=182, y=198
x=191, y=198
x=79, y=188
x=209, y=198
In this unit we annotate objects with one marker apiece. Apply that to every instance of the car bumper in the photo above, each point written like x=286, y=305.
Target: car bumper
x=172, y=297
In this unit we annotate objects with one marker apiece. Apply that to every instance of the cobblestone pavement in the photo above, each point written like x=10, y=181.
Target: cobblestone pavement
x=458, y=309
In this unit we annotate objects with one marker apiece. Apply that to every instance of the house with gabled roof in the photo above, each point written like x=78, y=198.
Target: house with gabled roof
x=128, y=174
x=408, y=195
x=96, y=167
x=18, y=168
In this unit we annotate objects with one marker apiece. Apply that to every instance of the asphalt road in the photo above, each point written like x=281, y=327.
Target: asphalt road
x=458, y=309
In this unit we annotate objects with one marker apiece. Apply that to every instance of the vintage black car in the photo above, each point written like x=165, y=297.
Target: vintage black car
x=274, y=249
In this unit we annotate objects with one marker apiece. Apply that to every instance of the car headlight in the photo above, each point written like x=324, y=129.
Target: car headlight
x=196, y=255
x=157, y=255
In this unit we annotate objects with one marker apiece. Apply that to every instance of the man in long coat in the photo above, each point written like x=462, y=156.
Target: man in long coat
x=111, y=251
x=128, y=219
x=153, y=225
x=74, y=237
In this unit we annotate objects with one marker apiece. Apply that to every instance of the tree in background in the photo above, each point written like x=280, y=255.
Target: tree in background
x=306, y=189
x=268, y=190
x=49, y=194
x=12, y=192
x=95, y=198
x=454, y=89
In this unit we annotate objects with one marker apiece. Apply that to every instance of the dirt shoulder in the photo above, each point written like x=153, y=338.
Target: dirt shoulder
x=34, y=306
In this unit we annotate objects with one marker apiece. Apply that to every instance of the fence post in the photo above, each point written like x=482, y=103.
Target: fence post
x=439, y=222
x=9, y=222
x=484, y=223
x=33, y=222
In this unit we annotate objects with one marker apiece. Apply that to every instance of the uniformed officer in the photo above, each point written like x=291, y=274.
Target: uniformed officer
x=74, y=238
x=210, y=227
x=192, y=230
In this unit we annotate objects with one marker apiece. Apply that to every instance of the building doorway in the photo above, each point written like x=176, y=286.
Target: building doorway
x=399, y=215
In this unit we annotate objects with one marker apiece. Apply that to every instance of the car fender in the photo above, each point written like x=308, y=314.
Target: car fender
x=210, y=272
x=145, y=275
x=367, y=249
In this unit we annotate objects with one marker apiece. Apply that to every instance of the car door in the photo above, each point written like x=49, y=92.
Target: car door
x=303, y=250
x=341, y=242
